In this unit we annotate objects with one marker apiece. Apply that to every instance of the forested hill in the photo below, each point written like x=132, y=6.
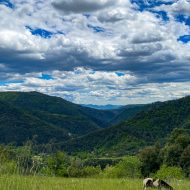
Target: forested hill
x=146, y=128
x=17, y=126
x=27, y=114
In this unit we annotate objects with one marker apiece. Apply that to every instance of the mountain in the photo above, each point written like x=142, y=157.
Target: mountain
x=17, y=126
x=27, y=114
x=75, y=128
x=127, y=112
x=74, y=119
x=103, y=107
x=152, y=125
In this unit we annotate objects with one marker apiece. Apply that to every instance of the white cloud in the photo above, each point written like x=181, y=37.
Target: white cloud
x=101, y=87
x=78, y=6
x=139, y=44
x=179, y=7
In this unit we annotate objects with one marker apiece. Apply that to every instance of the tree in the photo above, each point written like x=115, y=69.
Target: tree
x=185, y=160
x=150, y=159
x=166, y=172
x=172, y=154
x=177, y=143
x=56, y=165
x=129, y=167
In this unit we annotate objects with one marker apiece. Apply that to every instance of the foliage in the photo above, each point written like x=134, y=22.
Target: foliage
x=53, y=123
x=185, y=160
x=74, y=128
x=91, y=171
x=168, y=172
x=129, y=167
x=173, y=155
x=152, y=125
x=24, y=115
x=9, y=168
x=150, y=160
x=56, y=165
x=102, y=162
x=176, y=151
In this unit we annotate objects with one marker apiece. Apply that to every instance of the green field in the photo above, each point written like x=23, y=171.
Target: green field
x=50, y=183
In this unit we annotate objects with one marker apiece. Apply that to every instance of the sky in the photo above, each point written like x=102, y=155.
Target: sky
x=96, y=51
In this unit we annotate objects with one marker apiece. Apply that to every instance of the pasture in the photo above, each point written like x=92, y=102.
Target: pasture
x=54, y=183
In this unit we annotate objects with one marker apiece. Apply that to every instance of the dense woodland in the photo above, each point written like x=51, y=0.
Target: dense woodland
x=47, y=135
x=24, y=115
x=171, y=161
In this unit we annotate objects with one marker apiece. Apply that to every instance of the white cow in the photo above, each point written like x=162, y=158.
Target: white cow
x=158, y=183
x=148, y=182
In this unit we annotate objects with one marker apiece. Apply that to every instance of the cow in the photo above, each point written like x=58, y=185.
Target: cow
x=148, y=182
x=158, y=183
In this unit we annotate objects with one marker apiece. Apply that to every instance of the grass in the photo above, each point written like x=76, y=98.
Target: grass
x=51, y=183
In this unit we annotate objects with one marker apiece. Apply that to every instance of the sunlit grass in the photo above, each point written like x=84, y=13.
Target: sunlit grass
x=53, y=183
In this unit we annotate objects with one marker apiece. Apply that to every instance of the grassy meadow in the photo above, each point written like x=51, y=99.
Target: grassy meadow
x=55, y=183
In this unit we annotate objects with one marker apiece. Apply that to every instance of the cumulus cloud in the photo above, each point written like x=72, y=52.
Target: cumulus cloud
x=101, y=87
x=99, y=37
x=78, y=6
x=179, y=7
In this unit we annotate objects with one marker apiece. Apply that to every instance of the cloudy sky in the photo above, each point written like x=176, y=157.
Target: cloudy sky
x=96, y=51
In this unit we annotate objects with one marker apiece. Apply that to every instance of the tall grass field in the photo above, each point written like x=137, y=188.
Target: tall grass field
x=51, y=183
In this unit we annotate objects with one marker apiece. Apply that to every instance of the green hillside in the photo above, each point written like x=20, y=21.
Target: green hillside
x=34, y=101
x=17, y=126
x=77, y=128
x=146, y=128
x=75, y=119
x=56, y=111
x=128, y=112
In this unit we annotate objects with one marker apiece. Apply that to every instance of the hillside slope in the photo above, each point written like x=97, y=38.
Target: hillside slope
x=50, y=117
x=146, y=128
x=128, y=112
x=75, y=118
x=56, y=111
x=17, y=127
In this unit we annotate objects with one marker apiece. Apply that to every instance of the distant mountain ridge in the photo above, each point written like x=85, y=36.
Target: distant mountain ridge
x=151, y=125
x=17, y=126
x=29, y=114
x=75, y=128
x=103, y=107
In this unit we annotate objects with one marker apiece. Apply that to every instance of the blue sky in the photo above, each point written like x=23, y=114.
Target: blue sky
x=7, y=3
x=100, y=52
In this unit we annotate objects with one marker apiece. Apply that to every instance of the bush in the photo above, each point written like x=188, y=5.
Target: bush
x=75, y=172
x=9, y=167
x=150, y=159
x=185, y=160
x=91, y=171
x=56, y=165
x=111, y=172
x=128, y=167
x=166, y=172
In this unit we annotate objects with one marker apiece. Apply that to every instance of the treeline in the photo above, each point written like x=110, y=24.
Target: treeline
x=25, y=161
x=146, y=128
x=170, y=160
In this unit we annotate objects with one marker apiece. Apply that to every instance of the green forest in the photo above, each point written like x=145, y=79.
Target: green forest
x=47, y=136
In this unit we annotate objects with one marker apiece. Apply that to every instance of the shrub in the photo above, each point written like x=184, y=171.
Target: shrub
x=90, y=171
x=111, y=172
x=128, y=167
x=75, y=172
x=150, y=159
x=9, y=167
x=166, y=172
